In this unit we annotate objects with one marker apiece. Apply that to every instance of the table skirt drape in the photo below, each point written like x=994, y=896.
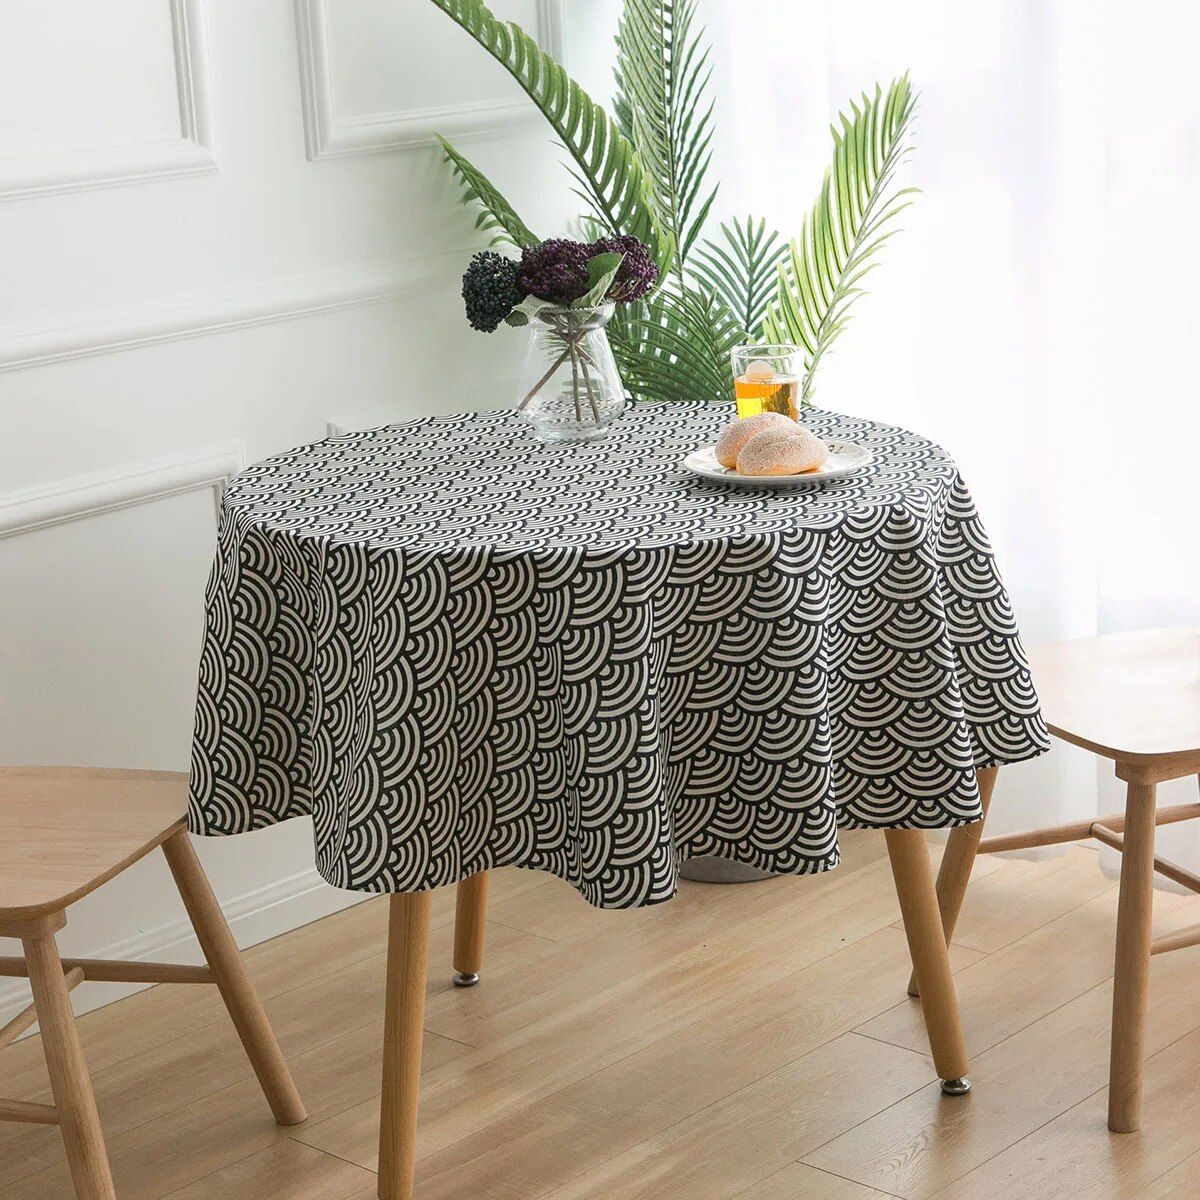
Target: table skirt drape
x=457, y=649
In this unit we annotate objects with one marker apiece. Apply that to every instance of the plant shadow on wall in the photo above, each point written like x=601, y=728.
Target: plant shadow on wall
x=643, y=173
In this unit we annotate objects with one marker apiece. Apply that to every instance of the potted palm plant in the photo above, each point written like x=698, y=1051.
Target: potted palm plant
x=643, y=170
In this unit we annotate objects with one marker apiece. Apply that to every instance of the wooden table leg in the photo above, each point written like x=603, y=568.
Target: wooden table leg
x=927, y=945
x=1131, y=977
x=955, y=872
x=229, y=972
x=470, y=912
x=403, y=1027
x=73, y=1098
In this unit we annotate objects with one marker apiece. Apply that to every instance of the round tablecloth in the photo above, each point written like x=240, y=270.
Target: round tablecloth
x=458, y=648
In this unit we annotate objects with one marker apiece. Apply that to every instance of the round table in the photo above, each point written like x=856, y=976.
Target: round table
x=457, y=648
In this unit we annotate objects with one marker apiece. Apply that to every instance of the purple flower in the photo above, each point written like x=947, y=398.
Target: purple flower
x=555, y=270
x=638, y=272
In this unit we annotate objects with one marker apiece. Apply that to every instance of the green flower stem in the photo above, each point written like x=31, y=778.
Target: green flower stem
x=572, y=347
x=587, y=380
x=541, y=383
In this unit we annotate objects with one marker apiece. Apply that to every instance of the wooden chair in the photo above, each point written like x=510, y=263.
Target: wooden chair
x=64, y=832
x=1133, y=698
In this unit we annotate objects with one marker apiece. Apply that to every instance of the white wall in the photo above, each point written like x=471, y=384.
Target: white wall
x=223, y=225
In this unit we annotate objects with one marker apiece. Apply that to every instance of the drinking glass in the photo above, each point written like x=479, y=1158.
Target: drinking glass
x=766, y=378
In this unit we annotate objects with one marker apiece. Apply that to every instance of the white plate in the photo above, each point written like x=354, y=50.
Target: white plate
x=844, y=459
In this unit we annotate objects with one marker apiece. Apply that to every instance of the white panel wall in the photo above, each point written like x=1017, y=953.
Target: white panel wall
x=223, y=225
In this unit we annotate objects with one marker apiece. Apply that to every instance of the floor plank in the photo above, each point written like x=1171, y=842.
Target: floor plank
x=1003, y=992
x=926, y=1142
x=748, y=1136
x=285, y=1168
x=1077, y=1146
x=1025, y=895
x=1183, y=1180
x=798, y=1181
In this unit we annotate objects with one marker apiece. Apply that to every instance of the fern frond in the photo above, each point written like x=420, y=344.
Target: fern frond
x=607, y=166
x=742, y=270
x=662, y=105
x=496, y=216
x=850, y=221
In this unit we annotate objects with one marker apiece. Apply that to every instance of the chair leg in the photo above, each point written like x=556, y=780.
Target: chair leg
x=955, y=872
x=82, y=1136
x=470, y=912
x=225, y=960
x=927, y=945
x=403, y=1030
x=1131, y=978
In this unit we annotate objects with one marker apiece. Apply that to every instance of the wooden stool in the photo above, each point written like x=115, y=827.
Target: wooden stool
x=64, y=832
x=1134, y=698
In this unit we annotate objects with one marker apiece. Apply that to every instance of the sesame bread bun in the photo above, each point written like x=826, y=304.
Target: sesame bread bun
x=776, y=451
x=737, y=433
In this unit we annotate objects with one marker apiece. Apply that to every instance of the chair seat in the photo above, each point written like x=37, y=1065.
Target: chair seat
x=66, y=830
x=1133, y=697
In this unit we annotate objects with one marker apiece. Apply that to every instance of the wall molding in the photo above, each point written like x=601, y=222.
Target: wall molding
x=189, y=154
x=107, y=491
x=325, y=135
x=254, y=916
x=199, y=316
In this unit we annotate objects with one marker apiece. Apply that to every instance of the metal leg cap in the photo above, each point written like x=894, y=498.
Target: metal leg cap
x=956, y=1087
x=465, y=979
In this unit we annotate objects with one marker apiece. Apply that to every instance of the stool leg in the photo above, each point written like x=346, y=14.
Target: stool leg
x=225, y=959
x=955, y=872
x=1131, y=978
x=403, y=1028
x=81, y=1133
x=470, y=912
x=927, y=945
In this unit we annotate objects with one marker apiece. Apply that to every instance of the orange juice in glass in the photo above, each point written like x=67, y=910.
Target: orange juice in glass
x=767, y=379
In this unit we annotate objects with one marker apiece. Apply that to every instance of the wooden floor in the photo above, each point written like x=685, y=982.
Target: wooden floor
x=750, y=1041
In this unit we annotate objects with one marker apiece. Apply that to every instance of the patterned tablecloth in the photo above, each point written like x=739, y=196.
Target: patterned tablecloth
x=457, y=648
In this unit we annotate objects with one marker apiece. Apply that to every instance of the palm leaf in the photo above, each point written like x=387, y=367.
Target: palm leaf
x=606, y=165
x=496, y=216
x=742, y=269
x=662, y=106
x=851, y=219
x=676, y=346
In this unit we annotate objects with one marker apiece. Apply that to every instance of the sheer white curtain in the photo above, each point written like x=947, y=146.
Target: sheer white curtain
x=1039, y=314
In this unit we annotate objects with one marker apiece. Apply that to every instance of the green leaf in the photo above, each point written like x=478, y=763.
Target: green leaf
x=663, y=108
x=847, y=226
x=524, y=312
x=742, y=270
x=676, y=346
x=602, y=270
x=606, y=164
x=496, y=215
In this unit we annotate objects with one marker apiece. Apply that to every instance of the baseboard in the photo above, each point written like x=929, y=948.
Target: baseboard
x=255, y=916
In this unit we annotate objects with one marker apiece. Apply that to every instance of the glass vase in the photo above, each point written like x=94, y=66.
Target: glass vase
x=570, y=388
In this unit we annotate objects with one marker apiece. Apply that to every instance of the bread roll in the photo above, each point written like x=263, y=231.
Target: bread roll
x=776, y=451
x=735, y=435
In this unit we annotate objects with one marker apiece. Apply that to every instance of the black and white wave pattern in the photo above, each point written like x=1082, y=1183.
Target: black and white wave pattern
x=457, y=648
